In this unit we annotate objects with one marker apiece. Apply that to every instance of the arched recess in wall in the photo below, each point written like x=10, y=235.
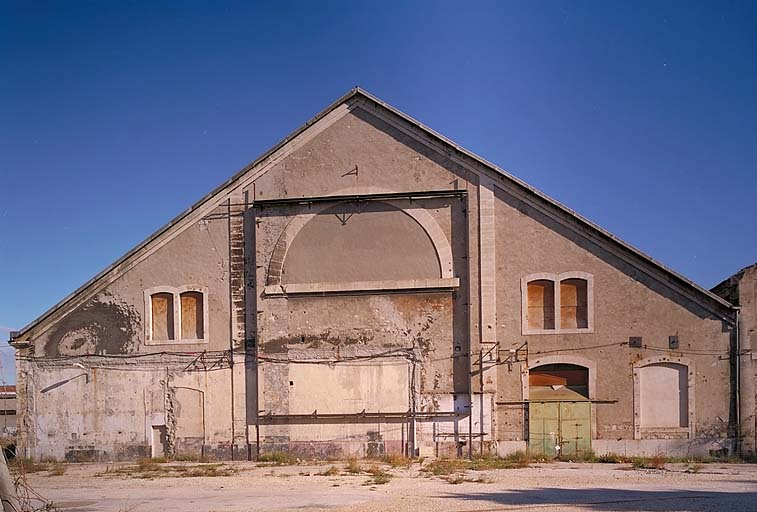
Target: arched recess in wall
x=589, y=364
x=568, y=359
x=372, y=241
x=664, y=397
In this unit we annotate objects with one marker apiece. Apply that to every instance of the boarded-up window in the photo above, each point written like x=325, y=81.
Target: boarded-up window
x=162, y=316
x=574, y=313
x=664, y=396
x=541, y=304
x=192, y=325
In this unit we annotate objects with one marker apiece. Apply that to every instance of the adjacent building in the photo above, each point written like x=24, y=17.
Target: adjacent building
x=368, y=286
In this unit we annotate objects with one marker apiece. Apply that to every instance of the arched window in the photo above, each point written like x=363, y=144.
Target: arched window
x=161, y=306
x=557, y=303
x=541, y=304
x=574, y=312
x=192, y=320
x=176, y=315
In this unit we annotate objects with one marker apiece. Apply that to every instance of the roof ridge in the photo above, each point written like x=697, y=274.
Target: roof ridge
x=355, y=91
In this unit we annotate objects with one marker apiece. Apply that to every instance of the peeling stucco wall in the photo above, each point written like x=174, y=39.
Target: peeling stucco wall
x=93, y=388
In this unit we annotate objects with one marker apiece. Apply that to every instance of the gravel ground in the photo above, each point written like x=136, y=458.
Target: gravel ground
x=557, y=486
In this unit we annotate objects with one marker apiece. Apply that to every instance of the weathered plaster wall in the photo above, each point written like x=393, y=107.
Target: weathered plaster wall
x=112, y=322
x=748, y=359
x=424, y=332
x=342, y=352
x=93, y=388
x=741, y=290
x=626, y=303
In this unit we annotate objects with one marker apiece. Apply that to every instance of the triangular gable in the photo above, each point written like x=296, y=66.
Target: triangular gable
x=362, y=99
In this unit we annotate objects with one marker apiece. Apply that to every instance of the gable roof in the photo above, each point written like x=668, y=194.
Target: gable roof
x=665, y=274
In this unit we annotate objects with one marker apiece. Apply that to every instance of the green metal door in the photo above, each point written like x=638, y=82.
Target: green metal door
x=544, y=427
x=559, y=428
x=575, y=428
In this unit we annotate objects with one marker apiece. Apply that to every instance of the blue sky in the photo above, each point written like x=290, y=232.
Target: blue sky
x=116, y=116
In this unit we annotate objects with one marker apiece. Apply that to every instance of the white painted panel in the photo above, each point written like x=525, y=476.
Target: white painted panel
x=348, y=387
x=663, y=395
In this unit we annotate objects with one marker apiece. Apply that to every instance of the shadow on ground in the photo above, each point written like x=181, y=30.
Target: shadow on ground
x=595, y=499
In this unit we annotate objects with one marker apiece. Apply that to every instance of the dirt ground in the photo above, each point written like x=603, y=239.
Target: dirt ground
x=252, y=487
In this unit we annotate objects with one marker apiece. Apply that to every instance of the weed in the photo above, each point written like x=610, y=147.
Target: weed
x=147, y=469
x=279, y=458
x=611, y=458
x=190, y=458
x=58, y=470
x=26, y=465
x=456, y=479
x=332, y=471
x=353, y=466
x=695, y=467
x=396, y=460
x=378, y=476
x=208, y=470
x=658, y=461
x=443, y=467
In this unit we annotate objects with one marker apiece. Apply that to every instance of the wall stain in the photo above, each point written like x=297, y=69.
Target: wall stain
x=102, y=325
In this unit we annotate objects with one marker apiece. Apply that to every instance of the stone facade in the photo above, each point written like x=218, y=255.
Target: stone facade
x=741, y=290
x=367, y=287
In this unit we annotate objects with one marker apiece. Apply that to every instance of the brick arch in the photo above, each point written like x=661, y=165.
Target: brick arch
x=424, y=219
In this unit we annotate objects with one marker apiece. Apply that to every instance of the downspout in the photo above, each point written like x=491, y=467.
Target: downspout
x=468, y=318
x=737, y=309
x=231, y=329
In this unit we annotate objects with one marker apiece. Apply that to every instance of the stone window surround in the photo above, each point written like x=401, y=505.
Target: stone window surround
x=176, y=291
x=557, y=279
x=653, y=433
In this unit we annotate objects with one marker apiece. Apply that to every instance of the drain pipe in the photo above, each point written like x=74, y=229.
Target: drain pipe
x=737, y=309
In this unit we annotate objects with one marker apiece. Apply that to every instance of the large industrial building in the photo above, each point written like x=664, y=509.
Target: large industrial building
x=368, y=286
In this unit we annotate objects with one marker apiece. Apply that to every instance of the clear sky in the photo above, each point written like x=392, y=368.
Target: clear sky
x=116, y=116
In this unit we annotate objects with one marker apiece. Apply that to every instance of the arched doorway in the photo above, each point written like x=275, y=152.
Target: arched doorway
x=559, y=420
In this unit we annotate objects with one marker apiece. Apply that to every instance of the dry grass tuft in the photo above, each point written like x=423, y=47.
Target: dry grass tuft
x=147, y=469
x=58, y=470
x=332, y=471
x=378, y=476
x=443, y=467
x=353, y=466
x=25, y=465
x=658, y=461
x=278, y=458
x=396, y=460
